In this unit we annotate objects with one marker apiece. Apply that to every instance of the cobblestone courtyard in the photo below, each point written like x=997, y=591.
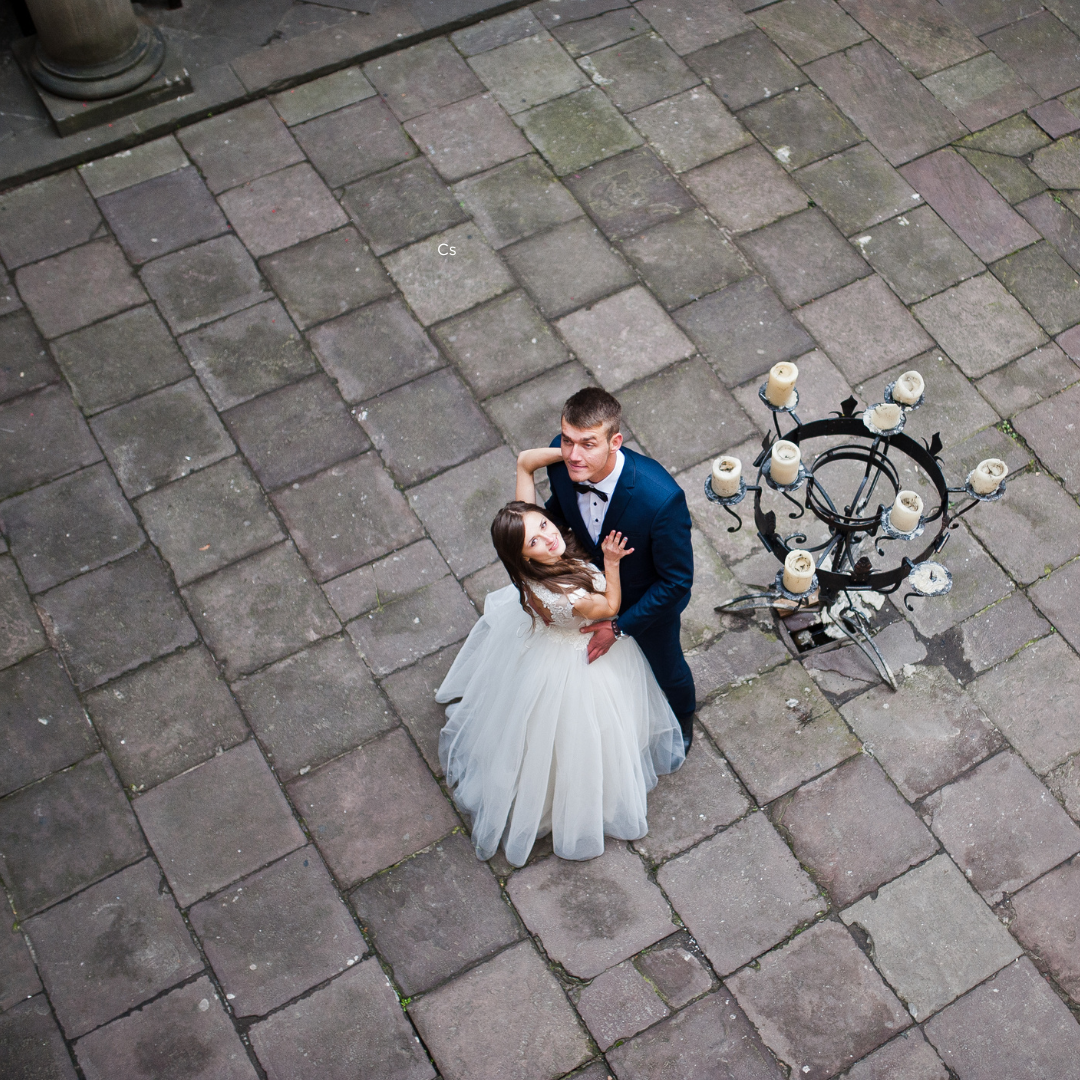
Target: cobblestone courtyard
x=263, y=382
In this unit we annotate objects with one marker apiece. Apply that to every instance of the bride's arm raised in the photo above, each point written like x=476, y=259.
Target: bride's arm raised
x=527, y=463
x=606, y=605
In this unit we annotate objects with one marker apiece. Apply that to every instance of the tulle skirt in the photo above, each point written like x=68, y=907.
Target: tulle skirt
x=538, y=740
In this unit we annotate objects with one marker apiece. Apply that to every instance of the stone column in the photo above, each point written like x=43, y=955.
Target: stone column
x=92, y=49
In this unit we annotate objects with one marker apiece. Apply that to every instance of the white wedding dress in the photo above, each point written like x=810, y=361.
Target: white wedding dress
x=538, y=740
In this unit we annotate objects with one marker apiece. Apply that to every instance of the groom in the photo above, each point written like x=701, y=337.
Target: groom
x=599, y=486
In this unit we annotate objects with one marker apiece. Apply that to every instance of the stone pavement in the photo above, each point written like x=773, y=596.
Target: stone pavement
x=262, y=386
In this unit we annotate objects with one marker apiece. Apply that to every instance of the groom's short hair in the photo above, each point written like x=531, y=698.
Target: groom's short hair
x=591, y=407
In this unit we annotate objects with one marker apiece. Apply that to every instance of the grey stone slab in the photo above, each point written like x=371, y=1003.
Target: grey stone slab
x=961, y=458
x=355, y=142
x=375, y=349
x=113, y=946
x=69, y=526
x=21, y=633
x=744, y=69
x=980, y=325
x=385, y=780
x=65, y=833
x=533, y=1035
x=618, y=1004
x=847, y=671
x=640, y=71
x=18, y=976
x=734, y=657
x=706, y=129
x=695, y=24
x=188, y=1026
x=807, y=30
x=800, y=126
x=700, y=621
x=918, y=254
x=9, y=300
x=414, y=627
x=118, y=359
x=591, y=915
x=1012, y=179
x=1045, y=284
x=1041, y=51
x=45, y=218
x=900, y=117
x=480, y=585
x=281, y=932
x=144, y=162
x=982, y=16
x=203, y=283
x=161, y=437
x=1045, y=920
x=412, y=693
x=421, y=78
x=1044, y=427
x=1056, y=222
x=933, y=938
x=981, y=91
x=528, y=72
x=31, y=1045
x=818, y=1002
x=678, y=973
x=925, y=733
x=1000, y=631
x=240, y=145
x=908, y=1055
x=590, y=35
x=352, y=1027
x=1016, y=137
x=25, y=363
x=526, y=415
x=578, y=130
x=491, y=33
x=1058, y=164
x=321, y=96
x=1064, y=782
x=260, y=610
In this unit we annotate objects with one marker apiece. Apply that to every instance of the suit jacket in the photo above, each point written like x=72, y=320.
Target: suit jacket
x=650, y=508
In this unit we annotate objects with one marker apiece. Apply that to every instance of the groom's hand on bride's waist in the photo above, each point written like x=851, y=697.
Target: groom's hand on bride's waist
x=603, y=637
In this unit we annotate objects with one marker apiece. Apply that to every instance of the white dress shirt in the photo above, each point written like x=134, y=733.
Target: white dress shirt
x=594, y=510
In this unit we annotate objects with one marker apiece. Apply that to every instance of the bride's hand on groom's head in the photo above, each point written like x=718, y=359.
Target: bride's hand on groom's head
x=614, y=546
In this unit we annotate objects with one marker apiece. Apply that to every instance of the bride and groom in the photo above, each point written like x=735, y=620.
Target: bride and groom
x=571, y=693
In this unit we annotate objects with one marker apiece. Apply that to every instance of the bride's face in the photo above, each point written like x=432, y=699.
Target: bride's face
x=543, y=541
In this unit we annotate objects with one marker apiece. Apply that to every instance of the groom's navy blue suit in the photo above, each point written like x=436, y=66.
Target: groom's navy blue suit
x=649, y=508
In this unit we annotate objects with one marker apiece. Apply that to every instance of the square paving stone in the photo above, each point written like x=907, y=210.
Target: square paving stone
x=21, y=633
x=206, y=282
x=1045, y=284
x=240, y=145
x=694, y=24
x=311, y=707
x=133, y=597
x=436, y=913
x=118, y=359
x=853, y=829
x=355, y=142
x=743, y=330
x=166, y=718
x=640, y=71
x=45, y=218
x=624, y=337
x=491, y=33
x=1001, y=826
x=401, y=205
x=981, y=91
x=281, y=932
x=1000, y=631
x=352, y=1027
x=532, y=1036
x=44, y=727
x=79, y=287
x=818, y=1002
x=111, y=947
x=579, y=130
x=1042, y=51
x=745, y=69
x=1013, y=1025
x=526, y=415
x=18, y=975
x=1046, y=915
x=864, y=328
x=187, y=1027
x=183, y=817
x=618, y=1004
x=740, y=892
x=31, y=1045
x=373, y=350
x=908, y=1055
x=809, y=29
x=282, y=209
x=161, y=437
x=412, y=693
x=247, y=354
x=679, y=974
x=1045, y=427
x=933, y=938
x=144, y=162
x=25, y=363
x=857, y=188
x=925, y=733
x=528, y=72
x=918, y=254
x=419, y=79
x=70, y=526
x=567, y=267
x=260, y=610
x=746, y=189
x=630, y=193
x=70, y=830
x=163, y=214
x=980, y=325
x=800, y=126
x=426, y=426
x=320, y=96
x=384, y=781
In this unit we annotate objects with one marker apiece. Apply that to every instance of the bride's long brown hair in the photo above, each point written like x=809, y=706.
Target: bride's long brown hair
x=508, y=536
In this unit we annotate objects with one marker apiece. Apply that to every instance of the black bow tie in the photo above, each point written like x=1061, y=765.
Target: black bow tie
x=584, y=489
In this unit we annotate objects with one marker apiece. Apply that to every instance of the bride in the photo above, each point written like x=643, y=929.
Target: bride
x=537, y=739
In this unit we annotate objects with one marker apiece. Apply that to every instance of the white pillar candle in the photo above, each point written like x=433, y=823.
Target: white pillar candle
x=781, y=382
x=798, y=571
x=726, y=473
x=906, y=512
x=885, y=416
x=785, y=462
x=988, y=475
x=908, y=388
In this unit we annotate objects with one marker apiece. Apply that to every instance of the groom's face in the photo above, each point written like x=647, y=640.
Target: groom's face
x=588, y=452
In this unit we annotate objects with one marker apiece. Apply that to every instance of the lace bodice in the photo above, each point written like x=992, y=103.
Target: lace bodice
x=560, y=606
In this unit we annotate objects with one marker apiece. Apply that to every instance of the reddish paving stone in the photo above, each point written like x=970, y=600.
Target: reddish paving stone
x=740, y=893
x=618, y=1004
x=31, y=1046
x=18, y=976
x=909, y=1055
x=419, y=79
x=1046, y=428
x=1054, y=118
x=1046, y=922
x=679, y=974
x=807, y=30
x=1057, y=223
x=818, y=1002
x=45, y=218
x=1043, y=52
x=694, y=24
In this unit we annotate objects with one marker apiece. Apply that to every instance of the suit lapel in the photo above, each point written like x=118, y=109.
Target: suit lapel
x=620, y=497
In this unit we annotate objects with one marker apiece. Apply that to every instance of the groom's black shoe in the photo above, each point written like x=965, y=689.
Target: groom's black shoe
x=686, y=723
